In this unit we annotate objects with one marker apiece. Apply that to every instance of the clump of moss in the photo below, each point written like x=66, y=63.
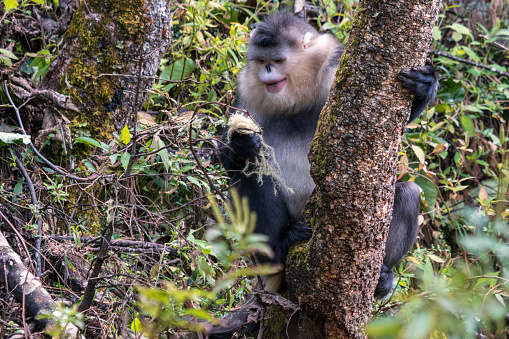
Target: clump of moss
x=98, y=48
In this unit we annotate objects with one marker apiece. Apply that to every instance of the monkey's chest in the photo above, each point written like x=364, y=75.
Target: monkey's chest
x=291, y=156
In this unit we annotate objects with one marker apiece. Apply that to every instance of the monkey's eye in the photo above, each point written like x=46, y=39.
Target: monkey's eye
x=260, y=61
x=279, y=61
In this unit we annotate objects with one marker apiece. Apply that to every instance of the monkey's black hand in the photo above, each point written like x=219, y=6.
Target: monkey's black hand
x=423, y=83
x=245, y=146
x=240, y=148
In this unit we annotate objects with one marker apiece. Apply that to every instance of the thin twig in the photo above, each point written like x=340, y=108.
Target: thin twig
x=20, y=238
x=35, y=202
x=261, y=330
x=118, y=243
x=198, y=162
x=55, y=168
x=153, y=78
x=452, y=57
x=88, y=296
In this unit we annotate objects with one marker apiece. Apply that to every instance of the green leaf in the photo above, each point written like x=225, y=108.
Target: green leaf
x=69, y=264
x=429, y=189
x=125, y=136
x=420, y=326
x=11, y=138
x=419, y=153
x=9, y=54
x=87, y=141
x=179, y=70
x=459, y=28
x=163, y=153
x=500, y=299
x=10, y=4
x=194, y=181
x=437, y=34
x=428, y=275
x=89, y=166
x=436, y=258
x=17, y=190
x=488, y=281
x=6, y=61
x=472, y=108
x=383, y=328
x=457, y=36
x=136, y=325
x=452, y=91
x=113, y=158
x=124, y=159
x=471, y=54
x=467, y=124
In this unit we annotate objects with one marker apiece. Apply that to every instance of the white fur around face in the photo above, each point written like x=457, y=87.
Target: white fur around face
x=308, y=78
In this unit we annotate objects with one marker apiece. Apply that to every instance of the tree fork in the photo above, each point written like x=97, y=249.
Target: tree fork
x=353, y=163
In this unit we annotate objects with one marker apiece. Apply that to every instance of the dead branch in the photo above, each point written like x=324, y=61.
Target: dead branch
x=27, y=288
x=136, y=245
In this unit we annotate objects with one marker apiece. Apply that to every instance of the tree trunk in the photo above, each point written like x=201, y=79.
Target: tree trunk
x=353, y=162
x=99, y=64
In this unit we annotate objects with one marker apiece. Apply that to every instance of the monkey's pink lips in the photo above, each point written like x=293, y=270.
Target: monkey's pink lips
x=275, y=87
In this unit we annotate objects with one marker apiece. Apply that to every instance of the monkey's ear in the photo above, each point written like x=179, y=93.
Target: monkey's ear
x=306, y=39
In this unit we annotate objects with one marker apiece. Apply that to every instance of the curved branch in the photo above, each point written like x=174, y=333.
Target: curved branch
x=35, y=202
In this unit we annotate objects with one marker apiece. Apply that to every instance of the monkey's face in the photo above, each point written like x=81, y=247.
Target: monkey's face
x=288, y=74
x=272, y=74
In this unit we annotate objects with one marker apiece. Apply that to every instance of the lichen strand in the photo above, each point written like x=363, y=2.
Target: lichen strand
x=103, y=35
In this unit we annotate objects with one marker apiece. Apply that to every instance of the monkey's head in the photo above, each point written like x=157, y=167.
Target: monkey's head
x=288, y=66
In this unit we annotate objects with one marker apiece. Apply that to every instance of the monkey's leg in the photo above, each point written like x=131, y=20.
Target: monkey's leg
x=289, y=235
x=273, y=220
x=402, y=232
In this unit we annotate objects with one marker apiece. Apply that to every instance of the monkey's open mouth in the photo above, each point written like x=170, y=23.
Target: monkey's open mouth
x=274, y=87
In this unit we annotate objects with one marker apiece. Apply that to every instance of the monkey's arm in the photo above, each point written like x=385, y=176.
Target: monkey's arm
x=240, y=148
x=423, y=83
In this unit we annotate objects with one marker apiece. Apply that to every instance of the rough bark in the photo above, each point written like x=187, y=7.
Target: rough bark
x=353, y=162
x=105, y=38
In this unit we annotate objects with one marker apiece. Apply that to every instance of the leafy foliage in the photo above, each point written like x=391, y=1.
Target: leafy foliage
x=454, y=283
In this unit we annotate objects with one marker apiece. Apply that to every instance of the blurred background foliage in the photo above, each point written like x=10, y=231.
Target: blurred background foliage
x=452, y=285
